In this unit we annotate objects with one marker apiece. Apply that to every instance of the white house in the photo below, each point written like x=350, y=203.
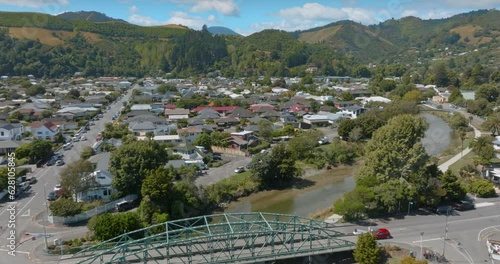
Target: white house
x=44, y=130
x=353, y=111
x=144, y=107
x=176, y=114
x=102, y=187
x=173, y=139
x=10, y=131
x=189, y=134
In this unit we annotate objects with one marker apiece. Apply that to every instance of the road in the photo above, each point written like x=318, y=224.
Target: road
x=34, y=202
x=469, y=228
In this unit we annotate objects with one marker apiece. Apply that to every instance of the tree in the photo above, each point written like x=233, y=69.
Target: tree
x=65, y=207
x=367, y=250
x=204, y=140
x=132, y=162
x=482, y=188
x=412, y=260
x=453, y=191
x=164, y=88
x=76, y=178
x=488, y=92
x=314, y=106
x=87, y=152
x=412, y=96
x=483, y=147
x=108, y=226
x=276, y=168
x=266, y=131
x=302, y=147
x=37, y=150
x=346, y=96
x=387, y=85
x=492, y=124
x=345, y=128
x=35, y=90
x=158, y=190
x=441, y=78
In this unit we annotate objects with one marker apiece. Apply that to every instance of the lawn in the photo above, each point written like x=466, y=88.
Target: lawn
x=455, y=146
x=465, y=160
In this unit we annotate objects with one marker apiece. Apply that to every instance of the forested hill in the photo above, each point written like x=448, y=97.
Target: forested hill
x=50, y=46
x=404, y=36
x=90, y=16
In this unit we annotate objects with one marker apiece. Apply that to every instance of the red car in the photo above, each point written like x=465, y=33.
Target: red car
x=381, y=233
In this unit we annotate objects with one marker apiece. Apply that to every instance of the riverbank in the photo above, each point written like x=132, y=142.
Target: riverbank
x=301, y=198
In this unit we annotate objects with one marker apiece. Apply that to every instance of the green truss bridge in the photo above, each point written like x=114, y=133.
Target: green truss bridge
x=220, y=238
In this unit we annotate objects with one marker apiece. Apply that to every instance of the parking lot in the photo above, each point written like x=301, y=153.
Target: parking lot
x=216, y=174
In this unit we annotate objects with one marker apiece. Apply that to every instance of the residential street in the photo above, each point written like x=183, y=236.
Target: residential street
x=33, y=203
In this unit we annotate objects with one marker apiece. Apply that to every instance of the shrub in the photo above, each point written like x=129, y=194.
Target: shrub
x=65, y=207
x=482, y=188
x=259, y=148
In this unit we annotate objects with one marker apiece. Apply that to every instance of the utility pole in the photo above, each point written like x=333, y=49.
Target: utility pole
x=421, y=241
x=409, y=207
x=446, y=231
x=47, y=212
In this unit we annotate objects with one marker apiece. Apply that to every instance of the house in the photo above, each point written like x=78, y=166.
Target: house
x=10, y=131
x=240, y=113
x=100, y=161
x=142, y=107
x=139, y=113
x=189, y=134
x=171, y=139
x=223, y=110
x=44, y=130
x=176, y=114
x=354, y=111
x=226, y=121
x=188, y=152
x=9, y=146
x=141, y=128
x=100, y=182
x=156, y=120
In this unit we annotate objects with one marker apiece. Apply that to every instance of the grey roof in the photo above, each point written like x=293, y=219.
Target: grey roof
x=241, y=113
x=270, y=113
x=142, y=125
x=9, y=126
x=102, y=160
x=177, y=111
x=258, y=119
x=353, y=108
x=195, y=121
x=208, y=115
x=207, y=110
x=10, y=144
x=143, y=118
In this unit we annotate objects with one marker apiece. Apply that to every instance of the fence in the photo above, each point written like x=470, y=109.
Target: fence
x=228, y=151
x=85, y=215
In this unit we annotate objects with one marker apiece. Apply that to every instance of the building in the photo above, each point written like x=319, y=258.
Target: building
x=100, y=182
x=10, y=131
x=44, y=130
x=176, y=114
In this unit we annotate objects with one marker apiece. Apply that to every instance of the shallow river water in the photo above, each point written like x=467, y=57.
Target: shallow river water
x=331, y=185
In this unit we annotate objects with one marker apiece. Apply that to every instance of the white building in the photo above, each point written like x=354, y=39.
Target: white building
x=10, y=131
x=44, y=130
x=102, y=189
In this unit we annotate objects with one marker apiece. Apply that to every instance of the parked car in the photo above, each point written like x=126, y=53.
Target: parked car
x=33, y=180
x=381, y=233
x=59, y=163
x=50, y=162
x=239, y=170
x=52, y=196
x=443, y=210
x=463, y=205
x=83, y=138
x=57, y=188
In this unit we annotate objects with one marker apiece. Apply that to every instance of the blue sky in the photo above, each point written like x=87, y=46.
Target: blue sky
x=249, y=16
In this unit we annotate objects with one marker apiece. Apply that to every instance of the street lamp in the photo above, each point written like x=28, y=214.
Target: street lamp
x=421, y=240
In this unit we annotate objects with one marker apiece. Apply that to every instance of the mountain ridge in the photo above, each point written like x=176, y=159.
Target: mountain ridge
x=93, y=16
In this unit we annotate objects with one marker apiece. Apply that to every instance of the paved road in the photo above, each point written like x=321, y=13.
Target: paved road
x=469, y=228
x=28, y=205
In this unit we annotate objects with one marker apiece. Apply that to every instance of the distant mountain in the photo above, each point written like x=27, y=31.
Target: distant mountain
x=90, y=16
x=407, y=35
x=222, y=31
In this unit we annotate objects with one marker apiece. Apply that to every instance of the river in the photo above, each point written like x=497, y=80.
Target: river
x=330, y=185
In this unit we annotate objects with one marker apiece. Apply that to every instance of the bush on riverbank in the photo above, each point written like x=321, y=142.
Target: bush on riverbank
x=233, y=188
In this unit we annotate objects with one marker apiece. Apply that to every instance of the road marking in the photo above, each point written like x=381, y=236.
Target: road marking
x=427, y=240
x=485, y=204
x=484, y=229
x=27, y=213
x=27, y=204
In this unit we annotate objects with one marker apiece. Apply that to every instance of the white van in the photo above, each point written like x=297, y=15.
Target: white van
x=67, y=146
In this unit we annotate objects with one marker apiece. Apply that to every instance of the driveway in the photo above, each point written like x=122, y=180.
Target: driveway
x=217, y=174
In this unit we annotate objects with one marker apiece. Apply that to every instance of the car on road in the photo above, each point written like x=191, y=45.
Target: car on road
x=32, y=180
x=52, y=196
x=83, y=138
x=239, y=170
x=463, y=205
x=59, y=163
x=381, y=233
x=75, y=139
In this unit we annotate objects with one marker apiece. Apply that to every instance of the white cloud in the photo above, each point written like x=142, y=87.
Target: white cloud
x=143, y=20
x=176, y=18
x=225, y=7
x=319, y=12
x=133, y=9
x=212, y=19
x=34, y=3
x=476, y=4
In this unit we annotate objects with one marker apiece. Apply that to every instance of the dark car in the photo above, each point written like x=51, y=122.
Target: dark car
x=124, y=206
x=51, y=162
x=463, y=205
x=443, y=210
x=52, y=196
